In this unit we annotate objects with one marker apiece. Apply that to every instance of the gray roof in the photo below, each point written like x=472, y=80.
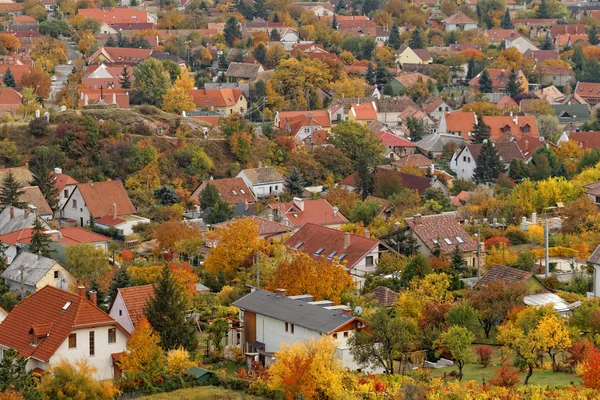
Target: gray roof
x=295, y=312
x=395, y=104
x=34, y=268
x=595, y=257
x=263, y=175
x=436, y=142
x=18, y=221
x=572, y=112
x=243, y=70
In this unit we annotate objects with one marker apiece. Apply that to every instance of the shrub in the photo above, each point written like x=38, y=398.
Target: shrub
x=484, y=355
x=516, y=235
x=148, y=109
x=506, y=376
x=38, y=127
x=496, y=240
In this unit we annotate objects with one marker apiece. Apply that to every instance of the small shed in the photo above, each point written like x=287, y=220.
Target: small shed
x=201, y=375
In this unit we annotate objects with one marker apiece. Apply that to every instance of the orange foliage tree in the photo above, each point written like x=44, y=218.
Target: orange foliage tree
x=9, y=42
x=472, y=53
x=144, y=357
x=169, y=233
x=185, y=278
x=300, y=274
x=38, y=80
x=591, y=370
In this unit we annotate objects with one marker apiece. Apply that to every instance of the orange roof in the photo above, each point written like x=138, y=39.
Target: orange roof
x=461, y=198
x=506, y=127
x=209, y=119
x=411, y=78
x=115, y=15
x=100, y=196
x=9, y=96
x=391, y=140
x=506, y=102
x=78, y=235
x=364, y=111
x=231, y=190
x=135, y=299
x=460, y=121
x=216, y=97
x=563, y=40
x=20, y=236
x=123, y=55
x=498, y=76
x=24, y=19
x=10, y=7
x=17, y=70
x=120, y=96
x=51, y=314
x=109, y=221
x=309, y=211
x=95, y=83
x=61, y=180
x=497, y=35
x=320, y=117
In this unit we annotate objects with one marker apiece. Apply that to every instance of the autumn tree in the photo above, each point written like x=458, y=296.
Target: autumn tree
x=152, y=82
x=178, y=361
x=590, y=373
x=171, y=232
x=310, y=369
x=87, y=262
x=178, y=99
x=64, y=381
x=143, y=358
x=457, y=341
x=38, y=80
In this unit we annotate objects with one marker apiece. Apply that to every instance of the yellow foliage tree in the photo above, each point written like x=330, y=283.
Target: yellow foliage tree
x=347, y=58
x=348, y=87
x=179, y=99
x=432, y=288
x=308, y=368
x=569, y=153
x=178, y=361
x=500, y=254
x=144, y=357
x=482, y=108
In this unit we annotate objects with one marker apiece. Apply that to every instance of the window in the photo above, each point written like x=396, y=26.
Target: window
x=469, y=159
x=242, y=190
x=120, y=313
x=447, y=109
x=112, y=335
x=335, y=335
x=306, y=130
x=74, y=203
x=465, y=158
x=440, y=108
x=234, y=192
x=55, y=274
x=72, y=340
x=369, y=261
x=598, y=199
x=287, y=327
x=459, y=239
x=346, y=334
x=298, y=245
x=526, y=129
x=342, y=256
x=292, y=328
x=92, y=344
x=66, y=193
x=332, y=254
x=318, y=252
x=435, y=241
x=448, y=241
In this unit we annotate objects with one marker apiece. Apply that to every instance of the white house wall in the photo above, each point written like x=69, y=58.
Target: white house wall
x=119, y=313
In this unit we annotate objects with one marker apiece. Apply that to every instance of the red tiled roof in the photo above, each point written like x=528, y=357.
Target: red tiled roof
x=528, y=146
x=118, y=15
x=109, y=221
x=391, y=140
x=588, y=90
x=504, y=274
x=46, y=313
x=215, y=97
x=24, y=19
x=441, y=227
x=20, y=236
x=460, y=121
x=506, y=102
x=231, y=190
x=460, y=198
x=266, y=227
x=563, y=40
x=315, y=212
x=10, y=7
x=386, y=297
x=209, y=119
x=498, y=76
x=135, y=299
x=567, y=29
x=61, y=180
x=411, y=78
x=17, y=70
x=77, y=235
x=120, y=96
x=504, y=127
x=409, y=181
x=95, y=83
x=414, y=160
x=459, y=18
x=364, y=111
x=320, y=117
x=586, y=140
x=433, y=105
x=100, y=196
x=541, y=55
x=9, y=96
x=497, y=35
x=124, y=55
x=315, y=237
x=507, y=151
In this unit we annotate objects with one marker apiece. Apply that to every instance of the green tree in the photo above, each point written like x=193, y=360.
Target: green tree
x=364, y=211
x=591, y=71
x=10, y=192
x=394, y=40
x=355, y=140
x=274, y=36
x=417, y=267
x=209, y=196
x=547, y=45
x=518, y=169
x=260, y=9
x=457, y=262
x=120, y=279
x=9, y=79
x=219, y=212
x=166, y=314
x=218, y=329
x=42, y=178
x=87, y=262
x=40, y=241
x=578, y=59
x=506, y=23
x=489, y=166
x=370, y=75
x=457, y=341
x=387, y=338
x=485, y=82
x=416, y=39
x=403, y=242
x=334, y=22
x=125, y=79
x=514, y=86
x=38, y=127
x=110, y=42
x=14, y=376
x=166, y=195
x=232, y=31
x=480, y=130
x=152, y=82
x=463, y=314
x=416, y=127
x=294, y=183
x=260, y=53
x=540, y=168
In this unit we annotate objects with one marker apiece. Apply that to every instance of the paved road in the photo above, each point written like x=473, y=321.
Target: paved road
x=62, y=71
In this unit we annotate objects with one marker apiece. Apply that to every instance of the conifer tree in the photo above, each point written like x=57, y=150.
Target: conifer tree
x=457, y=263
x=592, y=33
x=514, y=86
x=166, y=314
x=121, y=279
x=42, y=178
x=9, y=79
x=232, y=31
x=506, y=23
x=110, y=42
x=394, y=40
x=480, y=131
x=470, y=68
x=547, y=45
x=275, y=17
x=40, y=241
x=260, y=9
x=125, y=79
x=294, y=183
x=489, y=166
x=209, y=196
x=416, y=39
x=370, y=74
x=578, y=59
x=544, y=10
x=334, y=22
x=275, y=36
x=485, y=82
x=10, y=192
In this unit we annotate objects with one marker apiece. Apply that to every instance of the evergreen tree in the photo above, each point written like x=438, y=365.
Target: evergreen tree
x=10, y=192
x=578, y=59
x=9, y=79
x=334, y=22
x=480, y=131
x=544, y=10
x=14, y=376
x=370, y=74
x=274, y=36
x=260, y=53
x=232, y=31
x=417, y=267
x=489, y=166
x=394, y=40
x=40, y=241
x=591, y=71
x=592, y=33
x=125, y=79
x=166, y=195
x=457, y=263
x=416, y=39
x=416, y=126
x=514, y=86
x=166, y=314
x=294, y=183
x=121, y=279
x=382, y=75
x=110, y=42
x=369, y=6
x=209, y=196
x=506, y=23
x=485, y=82
x=518, y=169
x=223, y=61
x=547, y=45
x=339, y=7
x=403, y=242
x=260, y=10
x=275, y=17
x=470, y=68
x=365, y=177
x=219, y=212
x=42, y=178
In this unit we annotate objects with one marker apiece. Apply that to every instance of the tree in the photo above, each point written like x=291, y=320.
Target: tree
x=481, y=132
x=547, y=45
x=308, y=370
x=590, y=373
x=416, y=39
x=518, y=169
x=591, y=71
x=64, y=381
x=144, y=358
x=209, y=196
x=152, y=82
x=10, y=192
x=166, y=314
x=506, y=23
x=125, y=79
x=171, y=232
x=294, y=183
x=578, y=59
x=9, y=79
x=232, y=31
x=260, y=53
x=86, y=262
x=334, y=22
x=394, y=40
x=37, y=80
x=458, y=263
x=260, y=9
x=121, y=279
x=417, y=267
x=540, y=168
x=218, y=329
x=489, y=166
x=14, y=376
x=166, y=195
x=38, y=127
x=457, y=341
x=355, y=141
x=386, y=339
x=485, y=82
x=275, y=36
x=178, y=99
x=370, y=75
x=514, y=86
x=40, y=241
x=506, y=376
x=219, y=212
x=416, y=127
x=111, y=42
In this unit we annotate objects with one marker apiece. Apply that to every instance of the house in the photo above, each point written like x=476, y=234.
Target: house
x=435, y=145
x=263, y=181
x=593, y=191
x=52, y=325
x=243, y=71
x=119, y=55
x=10, y=100
x=498, y=36
x=507, y=127
x=590, y=92
x=12, y=219
x=289, y=38
x=551, y=94
x=30, y=272
x=436, y=108
x=443, y=230
x=414, y=161
x=506, y=103
x=227, y=100
x=511, y=276
x=267, y=228
x=359, y=253
x=320, y=9
x=106, y=202
x=559, y=76
x=459, y=21
x=22, y=175
x=388, y=109
x=585, y=140
x=541, y=56
x=406, y=55
x=401, y=82
x=458, y=123
x=566, y=29
x=528, y=146
x=17, y=70
x=270, y=320
x=385, y=297
x=290, y=120
x=408, y=181
x=520, y=43
x=466, y=161
x=396, y=144
x=499, y=79
x=120, y=15
x=33, y=199
x=231, y=190
x=363, y=113
x=571, y=113
x=128, y=306
x=302, y=126
x=64, y=184
x=357, y=27
x=562, y=41
x=299, y=212
x=461, y=198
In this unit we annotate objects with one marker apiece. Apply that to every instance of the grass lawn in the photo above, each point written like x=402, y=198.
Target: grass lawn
x=202, y=393
x=230, y=366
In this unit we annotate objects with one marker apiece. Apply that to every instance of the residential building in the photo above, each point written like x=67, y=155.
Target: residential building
x=572, y=113
x=385, y=297
x=53, y=325
x=30, y=272
x=33, y=199
x=361, y=27
x=458, y=123
x=459, y=21
x=466, y=161
x=499, y=79
x=436, y=144
x=507, y=127
x=231, y=190
x=511, y=276
x=405, y=80
x=299, y=212
x=406, y=55
x=227, y=101
x=408, y=181
x=360, y=253
x=497, y=36
x=559, y=76
x=64, y=184
x=267, y=228
x=22, y=175
x=243, y=71
x=590, y=92
x=128, y=306
x=506, y=103
x=270, y=320
x=418, y=161
x=363, y=113
x=263, y=181
x=120, y=15
x=541, y=56
x=585, y=140
x=119, y=55
x=12, y=219
x=10, y=100
x=520, y=43
x=436, y=108
x=443, y=230
x=120, y=97
x=593, y=191
x=567, y=29
x=400, y=146
x=296, y=121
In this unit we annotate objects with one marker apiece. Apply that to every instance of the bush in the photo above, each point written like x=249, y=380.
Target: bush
x=506, y=376
x=148, y=109
x=484, y=355
x=38, y=127
x=516, y=235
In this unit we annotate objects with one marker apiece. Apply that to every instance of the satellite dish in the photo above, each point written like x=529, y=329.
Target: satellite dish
x=358, y=310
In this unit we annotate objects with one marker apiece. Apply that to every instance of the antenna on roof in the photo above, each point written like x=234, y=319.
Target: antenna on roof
x=358, y=310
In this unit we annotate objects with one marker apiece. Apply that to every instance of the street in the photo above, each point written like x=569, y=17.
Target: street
x=62, y=71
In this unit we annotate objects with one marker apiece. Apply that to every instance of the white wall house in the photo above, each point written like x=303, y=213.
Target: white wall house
x=127, y=309
x=264, y=182
x=465, y=164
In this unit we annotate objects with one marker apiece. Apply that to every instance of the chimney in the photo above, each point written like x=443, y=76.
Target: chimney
x=26, y=211
x=335, y=211
x=81, y=291
x=346, y=240
x=114, y=210
x=39, y=254
x=93, y=297
x=58, y=171
x=299, y=203
x=12, y=212
x=417, y=219
x=270, y=216
x=27, y=166
x=367, y=233
x=346, y=311
x=281, y=292
x=259, y=164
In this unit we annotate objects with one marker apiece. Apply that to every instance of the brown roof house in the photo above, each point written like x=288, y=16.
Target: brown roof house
x=22, y=175
x=267, y=228
x=384, y=296
x=459, y=20
x=107, y=202
x=443, y=230
x=511, y=276
x=299, y=212
x=231, y=190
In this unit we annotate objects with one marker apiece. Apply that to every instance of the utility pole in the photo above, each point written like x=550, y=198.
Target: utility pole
x=257, y=270
x=22, y=283
x=546, y=247
x=478, y=253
